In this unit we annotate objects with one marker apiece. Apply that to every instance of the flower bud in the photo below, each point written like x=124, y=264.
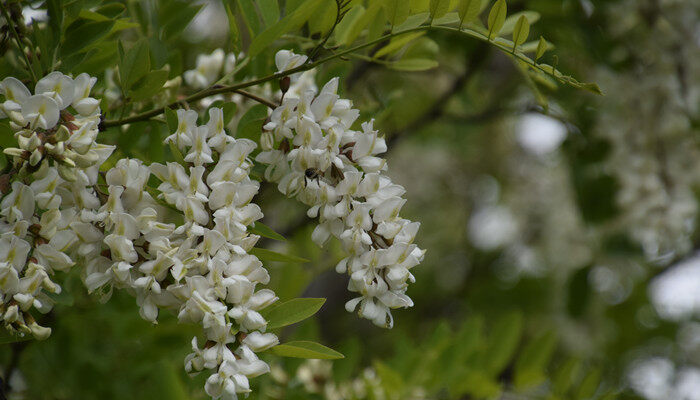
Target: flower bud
x=39, y=332
x=62, y=134
x=67, y=173
x=36, y=157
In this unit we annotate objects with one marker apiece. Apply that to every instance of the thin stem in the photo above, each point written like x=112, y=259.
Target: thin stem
x=339, y=4
x=6, y=14
x=256, y=98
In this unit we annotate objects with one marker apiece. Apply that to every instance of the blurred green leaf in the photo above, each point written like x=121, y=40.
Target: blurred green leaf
x=292, y=311
x=265, y=231
x=396, y=11
x=497, y=17
x=149, y=85
x=521, y=31
x=438, y=8
x=413, y=64
x=83, y=33
x=306, y=349
x=468, y=10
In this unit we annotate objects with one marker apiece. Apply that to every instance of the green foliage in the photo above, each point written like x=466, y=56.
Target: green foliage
x=306, y=349
x=292, y=311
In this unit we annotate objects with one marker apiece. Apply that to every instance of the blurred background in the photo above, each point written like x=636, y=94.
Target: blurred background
x=563, y=251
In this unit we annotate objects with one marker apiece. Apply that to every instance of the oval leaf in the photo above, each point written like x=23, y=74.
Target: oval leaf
x=265, y=231
x=521, y=31
x=413, y=64
x=497, y=17
x=468, y=10
x=438, y=8
x=292, y=311
x=305, y=349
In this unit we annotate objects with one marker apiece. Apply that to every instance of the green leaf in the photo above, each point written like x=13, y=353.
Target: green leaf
x=149, y=85
x=438, y=8
x=346, y=25
x=365, y=19
x=502, y=342
x=135, y=63
x=497, y=17
x=269, y=10
x=264, y=230
x=177, y=155
x=589, y=385
x=111, y=10
x=468, y=10
x=306, y=349
x=82, y=33
x=171, y=119
x=397, y=43
x=534, y=358
x=177, y=15
x=413, y=64
x=292, y=311
x=269, y=255
x=521, y=31
x=509, y=24
x=541, y=48
x=247, y=8
x=290, y=22
x=250, y=125
x=234, y=33
x=565, y=376
x=396, y=11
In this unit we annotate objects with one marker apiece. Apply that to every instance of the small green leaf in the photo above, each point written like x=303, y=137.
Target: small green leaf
x=589, y=385
x=176, y=153
x=438, y=8
x=269, y=255
x=521, y=31
x=306, y=349
x=135, y=63
x=264, y=230
x=497, y=17
x=509, y=24
x=269, y=10
x=502, y=342
x=290, y=22
x=541, y=48
x=413, y=64
x=247, y=8
x=565, y=376
x=346, y=26
x=83, y=33
x=397, y=43
x=292, y=311
x=468, y=10
x=396, y=11
x=531, y=364
x=149, y=85
x=234, y=33
x=171, y=119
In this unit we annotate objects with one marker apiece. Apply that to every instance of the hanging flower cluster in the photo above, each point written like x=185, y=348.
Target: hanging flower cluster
x=201, y=267
x=314, y=155
x=53, y=174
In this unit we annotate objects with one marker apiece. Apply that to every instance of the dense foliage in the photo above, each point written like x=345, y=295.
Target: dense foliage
x=204, y=189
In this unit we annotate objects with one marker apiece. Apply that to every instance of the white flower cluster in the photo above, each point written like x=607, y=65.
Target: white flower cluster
x=201, y=267
x=48, y=188
x=314, y=155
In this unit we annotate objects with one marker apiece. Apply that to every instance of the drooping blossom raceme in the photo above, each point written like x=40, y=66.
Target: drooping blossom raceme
x=200, y=267
x=313, y=154
x=48, y=186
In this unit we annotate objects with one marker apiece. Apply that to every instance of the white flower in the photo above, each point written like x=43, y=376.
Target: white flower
x=57, y=86
x=208, y=69
x=15, y=94
x=40, y=111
